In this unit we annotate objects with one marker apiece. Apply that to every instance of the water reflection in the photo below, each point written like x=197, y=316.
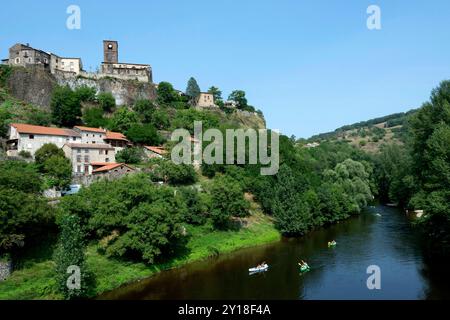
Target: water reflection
x=388, y=241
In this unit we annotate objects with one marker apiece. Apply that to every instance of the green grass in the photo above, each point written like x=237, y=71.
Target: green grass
x=36, y=280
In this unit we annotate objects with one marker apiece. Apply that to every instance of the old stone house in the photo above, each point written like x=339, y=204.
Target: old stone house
x=205, y=100
x=154, y=152
x=26, y=137
x=113, y=170
x=85, y=156
x=117, y=140
x=129, y=71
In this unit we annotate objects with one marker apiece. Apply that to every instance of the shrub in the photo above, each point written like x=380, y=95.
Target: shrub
x=130, y=155
x=25, y=154
x=106, y=101
x=66, y=107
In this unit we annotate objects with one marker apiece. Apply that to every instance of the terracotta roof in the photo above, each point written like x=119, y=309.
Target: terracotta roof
x=158, y=150
x=110, y=167
x=115, y=136
x=81, y=128
x=31, y=129
x=100, y=164
x=89, y=146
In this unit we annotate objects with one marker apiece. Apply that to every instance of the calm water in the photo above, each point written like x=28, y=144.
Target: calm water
x=388, y=241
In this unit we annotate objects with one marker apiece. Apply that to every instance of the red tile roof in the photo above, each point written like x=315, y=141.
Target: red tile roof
x=115, y=136
x=158, y=150
x=110, y=167
x=81, y=128
x=31, y=129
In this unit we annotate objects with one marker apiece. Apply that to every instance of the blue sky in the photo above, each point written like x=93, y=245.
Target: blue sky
x=311, y=66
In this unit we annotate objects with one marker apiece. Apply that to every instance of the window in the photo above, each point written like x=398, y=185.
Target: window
x=78, y=158
x=86, y=158
x=17, y=60
x=107, y=160
x=74, y=138
x=86, y=151
x=100, y=151
x=106, y=152
x=93, y=142
x=78, y=168
x=78, y=150
x=31, y=136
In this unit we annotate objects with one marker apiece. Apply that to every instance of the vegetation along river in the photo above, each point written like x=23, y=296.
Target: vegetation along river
x=381, y=236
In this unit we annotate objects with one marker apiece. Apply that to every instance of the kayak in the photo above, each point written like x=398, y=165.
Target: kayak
x=264, y=267
x=304, y=269
x=332, y=244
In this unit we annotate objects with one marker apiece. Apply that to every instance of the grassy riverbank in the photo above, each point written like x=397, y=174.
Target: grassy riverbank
x=36, y=280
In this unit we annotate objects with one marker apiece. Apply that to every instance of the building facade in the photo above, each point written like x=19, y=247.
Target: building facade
x=25, y=56
x=25, y=137
x=205, y=100
x=86, y=156
x=91, y=135
x=128, y=71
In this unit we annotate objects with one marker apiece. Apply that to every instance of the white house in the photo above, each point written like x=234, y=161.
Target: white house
x=26, y=137
x=91, y=135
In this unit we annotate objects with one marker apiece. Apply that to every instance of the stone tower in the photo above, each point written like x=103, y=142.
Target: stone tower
x=110, y=51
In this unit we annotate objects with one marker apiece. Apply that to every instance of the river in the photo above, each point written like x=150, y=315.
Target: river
x=381, y=236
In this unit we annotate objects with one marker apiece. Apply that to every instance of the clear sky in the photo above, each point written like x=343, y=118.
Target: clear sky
x=310, y=66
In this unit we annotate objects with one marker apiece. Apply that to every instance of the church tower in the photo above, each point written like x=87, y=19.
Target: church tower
x=110, y=51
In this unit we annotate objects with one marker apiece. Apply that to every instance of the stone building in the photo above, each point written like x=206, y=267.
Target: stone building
x=205, y=100
x=25, y=56
x=91, y=135
x=26, y=137
x=113, y=170
x=128, y=71
x=117, y=140
x=86, y=156
x=154, y=152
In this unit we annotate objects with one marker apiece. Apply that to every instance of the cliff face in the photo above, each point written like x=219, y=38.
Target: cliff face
x=35, y=86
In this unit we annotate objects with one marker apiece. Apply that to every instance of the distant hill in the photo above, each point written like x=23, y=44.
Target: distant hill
x=371, y=134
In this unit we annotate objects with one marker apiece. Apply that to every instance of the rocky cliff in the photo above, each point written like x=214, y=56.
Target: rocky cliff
x=35, y=86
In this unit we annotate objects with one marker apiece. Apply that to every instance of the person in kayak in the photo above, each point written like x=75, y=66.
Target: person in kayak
x=303, y=264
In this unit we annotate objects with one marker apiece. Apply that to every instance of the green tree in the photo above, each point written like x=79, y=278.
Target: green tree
x=166, y=94
x=45, y=152
x=143, y=134
x=65, y=106
x=23, y=216
x=106, y=101
x=192, y=90
x=70, y=253
x=85, y=93
x=123, y=119
x=21, y=176
x=217, y=94
x=227, y=200
x=176, y=174
x=93, y=117
x=58, y=171
x=198, y=205
x=132, y=155
x=238, y=96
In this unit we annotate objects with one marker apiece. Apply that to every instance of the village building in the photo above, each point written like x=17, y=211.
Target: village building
x=26, y=56
x=128, y=71
x=86, y=156
x=112, y=170
x=205, y=100
x=26, y=137
x=154, y=152
x=91, y=135
x=117, y=140
x=230, y=104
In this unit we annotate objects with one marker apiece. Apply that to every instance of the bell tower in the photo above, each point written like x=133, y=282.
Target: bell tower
x=110, y=51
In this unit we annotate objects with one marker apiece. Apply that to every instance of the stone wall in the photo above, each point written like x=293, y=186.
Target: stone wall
x=5, y=269
x=32, y=84
x=35, y=85
x=126, y=92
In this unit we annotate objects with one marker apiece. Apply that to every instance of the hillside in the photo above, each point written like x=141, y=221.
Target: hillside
x=370, y=135
x=26, y=93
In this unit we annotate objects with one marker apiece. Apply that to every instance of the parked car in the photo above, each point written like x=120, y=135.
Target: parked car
x=72, y=189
